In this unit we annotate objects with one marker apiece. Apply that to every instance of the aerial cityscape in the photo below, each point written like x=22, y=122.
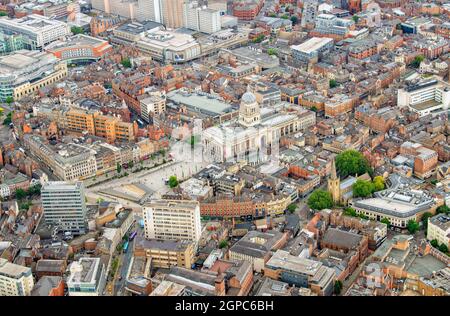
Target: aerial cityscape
x=240, y=148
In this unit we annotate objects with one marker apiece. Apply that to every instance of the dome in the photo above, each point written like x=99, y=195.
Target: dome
x=248, y=98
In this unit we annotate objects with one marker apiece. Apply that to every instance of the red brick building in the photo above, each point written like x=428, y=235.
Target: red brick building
x=247, y=9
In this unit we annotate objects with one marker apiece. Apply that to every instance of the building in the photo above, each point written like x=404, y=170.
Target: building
x=49, y=286
x=200, y=18
x=169, y=46
x=247, y=9
x=301, y=272
x=15, y=280
x=64, y=205
x=79, y=48
x=132, y=32
x=165, y=253
x=172, y=13
x=68, y=163
x=331, y=26
x=25, y=72
x=36, y=29
x=256, y=247
x=425, y=159
x=312, y=50
x=95, y=123
x=11, y=42
x=87, y=277
x=154, y=104
x=426, y=97
x=255, y=131
x=397, y=205
x=439, y=228
x=138, y=280
x=172, y=220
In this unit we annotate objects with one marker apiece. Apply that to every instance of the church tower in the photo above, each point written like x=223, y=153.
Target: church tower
x=249, y=112
x=334, y=183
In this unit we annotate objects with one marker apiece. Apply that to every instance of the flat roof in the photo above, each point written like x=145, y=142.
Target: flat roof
x=284, y=260
x=200, y=101
x=312, y=44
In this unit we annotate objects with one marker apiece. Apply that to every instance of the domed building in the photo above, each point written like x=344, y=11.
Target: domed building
x=256, y=133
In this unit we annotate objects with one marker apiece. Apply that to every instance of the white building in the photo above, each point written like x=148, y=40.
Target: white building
x=427, y=97
x=38, y=30
x=15, y=280
x=439, y=229
x=154, y=104
x=87, y=277
x=64, y=205
x=200, y=18
x=254, y=132
x=172, y=220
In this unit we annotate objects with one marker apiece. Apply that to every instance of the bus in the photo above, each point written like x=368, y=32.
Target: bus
x=125, y=247
x=133, y=234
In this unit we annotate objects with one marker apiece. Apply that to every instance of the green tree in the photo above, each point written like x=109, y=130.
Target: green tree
x=378, y=183
x=333, y=83
x=319, y=199
x=294, y=20
x=173, y=181
x=259, y=38
x=413, y=226
x=20, y=194
x=352, y=162
x=434, y=243
x=272, y=51
x=9, y=100
x=337, y=287
x=416, y=62
x=285, y=17
x=77, y=30
x=443, y=209
x=126, y=62
x=314, y=108
x=386, y=221
x=131, y=164
x=355, y=18
x=425, y=217
x=443, y=248
x=292, y=207
x=223, y=244
x=363, y=188
x=273, y=15
x=3, y=13
x=350, y=212
x=119, y=168
x=8, y=119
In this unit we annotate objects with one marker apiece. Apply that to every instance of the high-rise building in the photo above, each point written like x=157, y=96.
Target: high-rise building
x=172, y=220
x=15, y=280
x=201, y=18
x=172, y=13
x=64, y=205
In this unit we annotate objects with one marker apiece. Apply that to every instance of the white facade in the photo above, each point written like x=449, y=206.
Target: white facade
x=87, y=277
x=201, y=18
x=39, y=30
x=15, y=280
x=172, y=220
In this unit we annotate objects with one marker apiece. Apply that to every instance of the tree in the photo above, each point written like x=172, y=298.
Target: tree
x=337, y=287
x=3, y=13
x=355, y=18
x=273, y=15
x=119, y=168
x=77, y=30
x=434, y=243
x=443, y=209
x=131, y=164
x=413, y=226
x=386, y=221
x=352, y=162
x=314, y=108
x=259, y=38
x=425, y=217
x=20, y=194
x=416, y=62
x=8, y=119
x=126, y=62
x=9, y=100
x=319, y=199
x=333, y=83
x=443, y=248
x=285, y=17
x=173, y=182
x=272, y=51
x=363, y=188
x=294, y=20
x=292, y=207
x=223, y=244
x=350, y=212
x=378, y=183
